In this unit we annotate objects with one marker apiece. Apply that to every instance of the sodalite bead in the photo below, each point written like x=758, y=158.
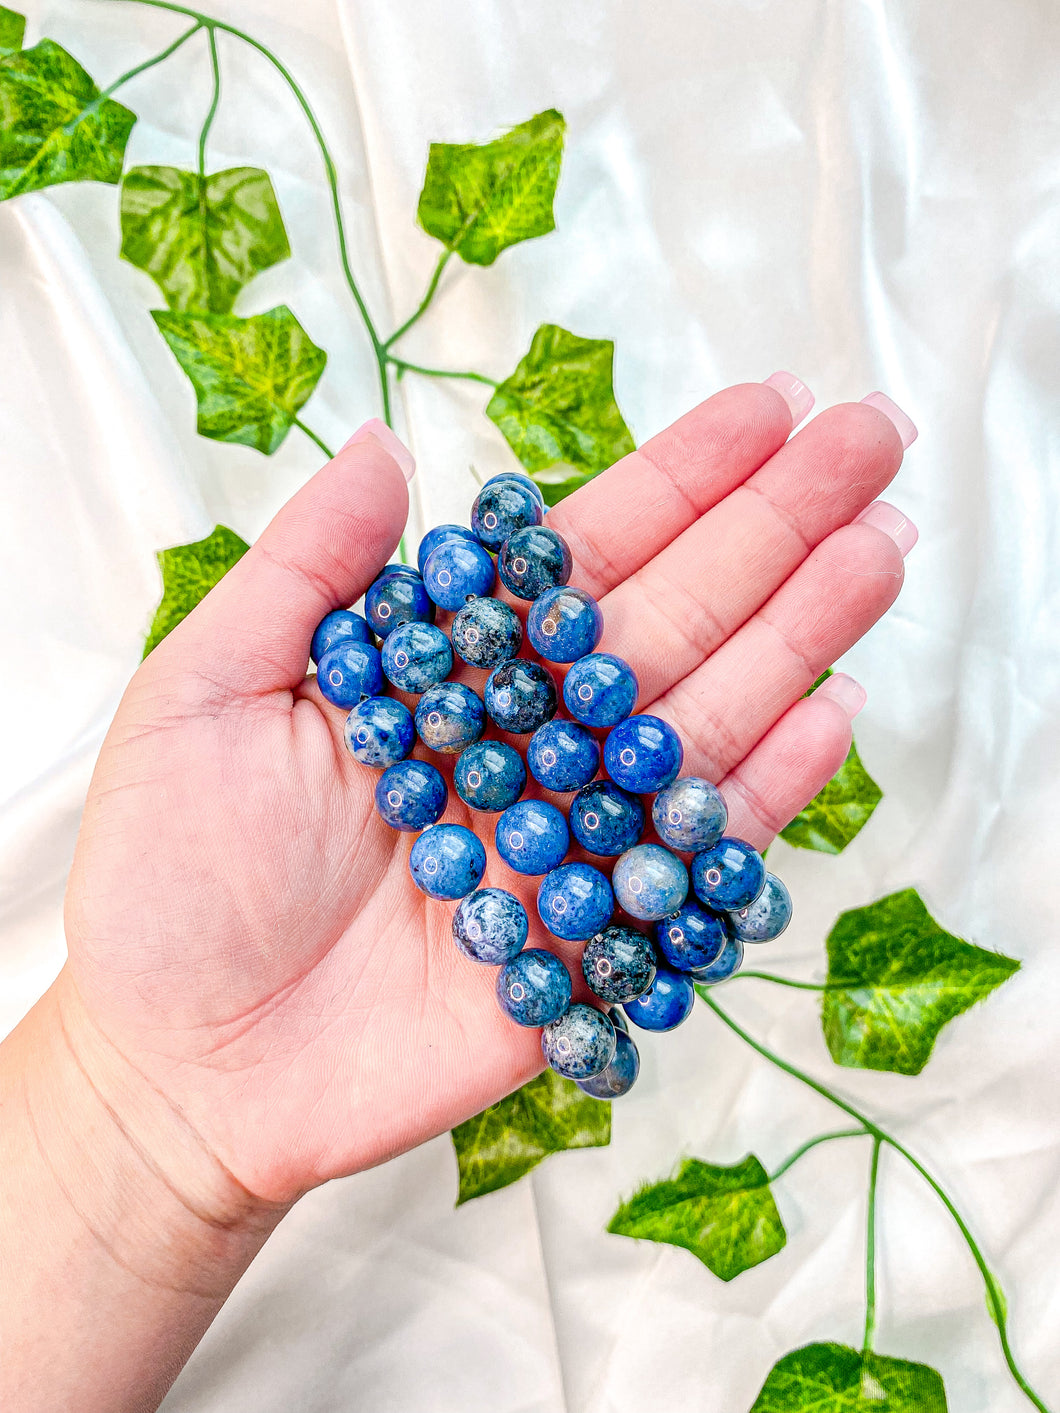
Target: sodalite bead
x=335, y=627
x=575, y=901
x=562, y=756
x=456, y=571
x=649, y=882
x=564, y=624
x=398, y=568
x=520, y=696
x=666, y=1003
x=620, y=1075
x=395, y=599
x=522, y=479
x=688, y=815
x=411, y=795
x=433, y=538
x=642, y=754
x=691, y=937
x=606, y=819
x=580, y=1044
x=490, y=775
x=490, y=926
x=349, y=671
x=534, y=987
x=532, y=837
x=449, y=717
x=767, y=916
x=533, y=560
x=728, y=876
x=486, y=633
x=619, y=964
x=417, y=656
x=379, y=732
x=502, y=508
x=722, y=967
x=447, y=861
x=600, y=690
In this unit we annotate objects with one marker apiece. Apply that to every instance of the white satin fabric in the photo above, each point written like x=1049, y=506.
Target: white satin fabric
x=865, y=193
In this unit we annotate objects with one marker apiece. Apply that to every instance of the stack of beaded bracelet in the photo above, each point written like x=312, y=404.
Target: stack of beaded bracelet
x=694, y=938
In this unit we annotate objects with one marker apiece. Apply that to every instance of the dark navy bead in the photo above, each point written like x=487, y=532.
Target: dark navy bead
x=502, y=508
x=486, y=633
x=689, y=814
x=649, y=882
x=666, y=1003
x=349, y=671
x=449, y=717
x=532, y=837
x=399, y=568
x=411, y=795
x=533, y=560
x=456, y=571
x=490, y=926
x=562, y=756
x=575, y=901
x=490, y=775
x=335, y=627
x=447, y=861
x=618, y=964
x=379, y=732
x=620, y=1075
x=580, y=1044
x=564, y=624
x=395, y=599
x=722, y=967
x=690, y=937
x=417, y=656
x=728, y=876
x=534, y=987
x=520, y=696
x=618, y=1018
x=642, y=754
x=600, y=690
x=605, y=819
x=522, y=479
x=767, y=916
x=433, y=538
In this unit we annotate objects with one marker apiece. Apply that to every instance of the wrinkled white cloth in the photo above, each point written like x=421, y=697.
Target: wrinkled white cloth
x=863, y=193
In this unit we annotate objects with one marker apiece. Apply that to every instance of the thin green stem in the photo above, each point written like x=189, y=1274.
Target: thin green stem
x=424, y=303
x=314, y=438
x=813, y=1143
x=212, y=111
x=870, y=1250
x=142, y=68
x=779, y=980
x=403, y=367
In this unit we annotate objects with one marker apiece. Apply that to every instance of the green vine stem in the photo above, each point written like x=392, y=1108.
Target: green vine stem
x=870, y=1248
x=314, y=438
x=403, y=367
x=781, y=980
x=138, y=69
x=210, y=115
x=813, y=1143
x=424, y=303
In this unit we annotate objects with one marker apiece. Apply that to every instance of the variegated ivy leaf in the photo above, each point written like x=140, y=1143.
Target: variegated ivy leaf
x=189, y=572
x=829, y=1378
x=838, y=812
x=12, y=31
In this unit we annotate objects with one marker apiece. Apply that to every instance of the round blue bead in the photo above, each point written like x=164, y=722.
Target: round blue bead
x=564, y=624
x=690, y=937
x=502, y=508
x=490, y=926
x=767, y=916
x=449, y=717
x=619, y=964
x=562, y=756
x=395, y=599
x=438, y=536
x=486, y=633
x=520, y=696
x=689, y=814
x=411, y=795
x=600, y=690
x=334, y=627
x=534, y=987
x=349, y=671
x=649, y=882
x=575, y=901
x=666, y=1003
x=490, y=775
x=605, y=819
x=379, y=732
x=618, y=1019
x=447, y=861
x=643, y=754
x=522, y=479
x=398, y=568
x=456, y=571
x=728, y=876
x=417, y=656
x=722, y=967
x=533, y=560
x=580, y=1044
x=620, y=1075
x=532, y=837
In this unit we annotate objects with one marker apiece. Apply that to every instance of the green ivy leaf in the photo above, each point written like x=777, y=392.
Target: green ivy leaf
x=12, y=30
x=55, y=126
x=189, y=572
x=505, y=1141
x=479, y=198
x=724, y=1215
x=250, y=376
x=839, y=812
x=830, y=1378
x=895, y=978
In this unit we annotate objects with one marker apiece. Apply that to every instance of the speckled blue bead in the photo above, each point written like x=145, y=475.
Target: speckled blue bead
x=691, y=937
x=688, y=814
x=486, y=633
x=580, y=1044
x=620, y=1075
x=600, y=690
x=533, y=560
x=522, y=479
x=643, y=754
x=447, y=861
x=458, y=570
x=606, y=819
x=433, y=538
x=502, y=508
x=649, y=882
x=490, y=926
x=728, y=876
x=534, y=987
x=490, y=775
x=398, y=568
x=575, y=901
x=767, y=916
x=564, y=624
x=379, y=732
x=349, y=671
x=619, y=964
x=722, y=967
x=395, y=599
x=411, y=795
x=417, y=656
x=335, y=628
x=449, y=717
x=520, y=696
x=666, y=1003
x=532, y=837
x=562, y=756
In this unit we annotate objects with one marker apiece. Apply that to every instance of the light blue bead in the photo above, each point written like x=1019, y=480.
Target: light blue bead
x=643, y=754
x=600, y=690
x=490, y=775
x=349, y=671
x=728, y=876
x=606, y=819
x=562, y=756
x=447, y=861
x=411, y=795
x=692, y=936
x=688, y=814
x=532, y=837
x=522, y=479
x=417, y=656
x=334, y=627
x=620, y=1075
x=722, y=967
x=618, y=964
x=564, y=624
x=486, y=633
x=520, y=696
x=433, y=538
x=449, y=717
x=379, y=732
x=458, y=570
x=534, y=988
x=396, y=567
x=580, y=1044
x=649, y=882
x=767, y=916
x=666, y=1003
x=533, y=560
x=501, y=508
x=575, y=901
x=490, y=926
x=395, y=599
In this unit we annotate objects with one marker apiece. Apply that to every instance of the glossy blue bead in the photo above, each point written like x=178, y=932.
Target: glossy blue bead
x=580, y=1044
x=502, y=508
x=564, y=624
x=606, y=819
x=447, y=861
x=767, y=916
x=620, y=1075
x=562, y=756
x=520, y=696
x=349, y=671
x=619, y=964
x=486, y=633
x=395, y=599
x=417, y=656
x=690, y=937
x=522, y=479
x=433, y=538
x=449, y=717
x=728, y=876
x=643, y=754
x=398, y=568
x=379, y=732
x=411, y=795
x=533, y=560
x=490, y=775
x=666, y=1003
x=456, y=571
x=534, y=987
x=688, y=814
x=617, y=1018
x=649, y=882
x=575, y=901
x=532, y=837
x=490, y=926
x=722, y=967
x=335, y=627
x=600, y=690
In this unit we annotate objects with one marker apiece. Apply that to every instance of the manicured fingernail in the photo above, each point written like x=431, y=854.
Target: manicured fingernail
x=378, y=431
x=906, y=427
x=881, y=515
x=840, y=688
x=794, y=392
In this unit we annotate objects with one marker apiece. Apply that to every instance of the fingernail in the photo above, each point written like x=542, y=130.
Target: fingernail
x=376, y=430
x=850, y=695
x=881, y=515
x=906, y=427
x=794, y=392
